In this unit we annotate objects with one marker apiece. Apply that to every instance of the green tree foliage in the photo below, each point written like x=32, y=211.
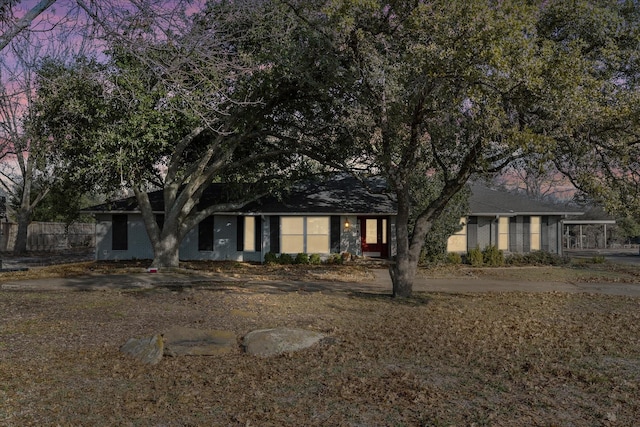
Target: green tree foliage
x=597, y=132
x=447, y=222
x=452, y=89
x=626, y=230
x=181, y=113
x=64, y=204
x=438, y=91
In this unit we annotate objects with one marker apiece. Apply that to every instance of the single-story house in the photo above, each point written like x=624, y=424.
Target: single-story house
x=511, y=221
x=334, y=216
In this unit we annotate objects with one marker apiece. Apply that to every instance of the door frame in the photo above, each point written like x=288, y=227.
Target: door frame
x=379, y=249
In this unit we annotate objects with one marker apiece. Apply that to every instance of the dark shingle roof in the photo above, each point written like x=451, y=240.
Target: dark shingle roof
x=346, y=195
x=485, y=201
x=342, y=195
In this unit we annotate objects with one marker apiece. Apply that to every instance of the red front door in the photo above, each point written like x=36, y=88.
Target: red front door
x=374, y=237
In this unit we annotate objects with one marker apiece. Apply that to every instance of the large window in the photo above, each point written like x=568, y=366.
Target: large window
x=305, y=234
x=119, y=233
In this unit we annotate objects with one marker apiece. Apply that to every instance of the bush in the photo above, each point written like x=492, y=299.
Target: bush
x=430, y=258
x=492, y=256
x=285, y=259
x=270, y=258
x=454, y=258
x=302, y=258
x=537, y=258
x=334, y=259
x=315, y=259
x=475, y=257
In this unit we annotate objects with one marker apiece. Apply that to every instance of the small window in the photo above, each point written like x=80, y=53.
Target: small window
x=384, y=231
x=371, y=236
x=249, y=233
x=318, y=228
x=205, y=234
x=119, y=233
x=503, y=233
x=535, y=233
x=292, y=234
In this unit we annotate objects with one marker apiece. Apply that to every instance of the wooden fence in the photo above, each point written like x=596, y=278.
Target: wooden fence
x=50, y=236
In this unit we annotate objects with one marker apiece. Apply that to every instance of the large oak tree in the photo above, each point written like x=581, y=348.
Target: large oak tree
x=441, y=91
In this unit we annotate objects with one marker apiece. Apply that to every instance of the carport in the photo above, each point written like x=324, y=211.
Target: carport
x=576, y=240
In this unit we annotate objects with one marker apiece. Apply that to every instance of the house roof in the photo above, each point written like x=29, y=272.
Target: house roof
x=342, y=195
x=347, y=195
x=485, y=201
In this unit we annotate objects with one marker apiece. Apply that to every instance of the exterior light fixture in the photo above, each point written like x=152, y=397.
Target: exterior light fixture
x=346, y=224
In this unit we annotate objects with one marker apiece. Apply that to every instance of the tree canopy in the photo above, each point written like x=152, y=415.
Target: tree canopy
x=449, y=90
x=426, y=94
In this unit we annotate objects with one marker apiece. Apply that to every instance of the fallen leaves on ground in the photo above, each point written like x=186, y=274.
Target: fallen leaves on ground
x=435, y=359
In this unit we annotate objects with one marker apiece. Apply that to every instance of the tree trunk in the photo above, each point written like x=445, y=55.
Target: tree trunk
x=403, y=272
x=23, y=218
x=166, y=253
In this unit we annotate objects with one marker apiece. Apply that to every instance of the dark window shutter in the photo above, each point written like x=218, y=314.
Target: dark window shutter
x=335, y=234
x=258, y=235
x=240, y=234
x=119, y=232
x=205, y=234
x=472, y=232
x=274, y=233
x=513, y=234
x=526, y=234
x=544, y=233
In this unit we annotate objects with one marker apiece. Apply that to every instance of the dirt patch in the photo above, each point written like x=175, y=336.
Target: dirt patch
x=436, y=359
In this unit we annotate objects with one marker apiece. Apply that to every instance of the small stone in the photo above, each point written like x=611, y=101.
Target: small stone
x=181, y=341
x=271, y=342
x=146, y=350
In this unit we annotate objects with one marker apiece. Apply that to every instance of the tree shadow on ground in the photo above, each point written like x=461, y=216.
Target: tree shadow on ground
x=349, y=289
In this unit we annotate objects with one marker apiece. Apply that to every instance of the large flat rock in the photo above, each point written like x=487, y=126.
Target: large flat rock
x=181, y=341
x=271, y=342
x=145, y=350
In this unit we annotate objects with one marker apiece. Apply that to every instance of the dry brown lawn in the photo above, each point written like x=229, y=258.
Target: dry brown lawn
x=511, y=359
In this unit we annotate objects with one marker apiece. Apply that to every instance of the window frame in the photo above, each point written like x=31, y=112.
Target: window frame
x=304, y=237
